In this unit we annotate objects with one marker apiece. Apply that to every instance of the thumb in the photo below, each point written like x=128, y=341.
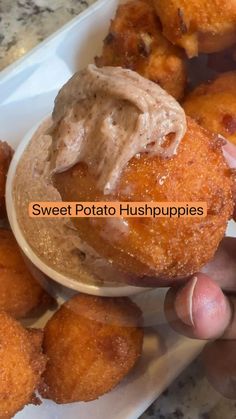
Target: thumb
x=229, y=151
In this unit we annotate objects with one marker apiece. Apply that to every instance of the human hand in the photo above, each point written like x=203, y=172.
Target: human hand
x=201, y=309
x=205, y=308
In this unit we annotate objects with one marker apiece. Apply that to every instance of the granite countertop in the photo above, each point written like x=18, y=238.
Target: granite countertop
x=39, y=18
x=190, y=396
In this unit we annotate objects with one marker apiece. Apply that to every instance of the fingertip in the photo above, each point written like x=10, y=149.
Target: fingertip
x=229, y=151
x=202, y=306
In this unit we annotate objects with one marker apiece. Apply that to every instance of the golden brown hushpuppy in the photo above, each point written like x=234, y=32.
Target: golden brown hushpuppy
x=21, y=365
x=91, y=344
x=20, y=293
x=135, y=41
x=213, y=105
x=161, y=249
x=198, y=25
x=6, y=154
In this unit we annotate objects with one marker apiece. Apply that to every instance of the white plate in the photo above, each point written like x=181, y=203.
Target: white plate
x=27, y=91
x=165, y=355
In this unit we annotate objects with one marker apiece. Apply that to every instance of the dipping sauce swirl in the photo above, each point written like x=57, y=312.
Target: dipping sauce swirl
x=106, y=116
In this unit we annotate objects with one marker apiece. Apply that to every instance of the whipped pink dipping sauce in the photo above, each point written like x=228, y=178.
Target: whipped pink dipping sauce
x=103, y=117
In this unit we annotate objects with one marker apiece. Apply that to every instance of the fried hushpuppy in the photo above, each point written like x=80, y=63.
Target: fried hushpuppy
x=20, y=293
x=21, y=365
x=91, y=344
x=135, y=41
x=213, y=105
x=6, y=154
x=198, y=25
x=161, y=249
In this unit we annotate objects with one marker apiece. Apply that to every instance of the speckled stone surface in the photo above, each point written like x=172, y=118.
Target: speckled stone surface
x=191, y=397
x=23, y=24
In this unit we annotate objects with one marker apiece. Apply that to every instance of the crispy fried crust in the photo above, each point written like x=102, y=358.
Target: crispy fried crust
x=21, y=365
x=213, y=105
x=20, y=293
x=91, y=344
x=198, y=25
x=135, y=41
x=6, y=154
x=164, y=248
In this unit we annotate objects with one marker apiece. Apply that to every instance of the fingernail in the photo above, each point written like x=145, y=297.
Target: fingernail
x=229, y=151
x=184, y=302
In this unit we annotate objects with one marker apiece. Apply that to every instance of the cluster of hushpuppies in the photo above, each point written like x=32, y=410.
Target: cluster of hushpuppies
x=84, y=350
x=158, y=39
x=91, y=343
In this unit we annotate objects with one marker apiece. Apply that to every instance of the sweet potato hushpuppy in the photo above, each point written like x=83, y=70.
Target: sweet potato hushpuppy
x=20, y=293
x=135, y=41
x=198, y=25
x=21, y=365
x=91, y=344
x=213, y=105
x=6, y=154
x=163, y=248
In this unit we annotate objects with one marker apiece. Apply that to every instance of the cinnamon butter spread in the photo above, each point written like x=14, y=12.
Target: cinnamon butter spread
x=103, y=117
x=106, y=116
